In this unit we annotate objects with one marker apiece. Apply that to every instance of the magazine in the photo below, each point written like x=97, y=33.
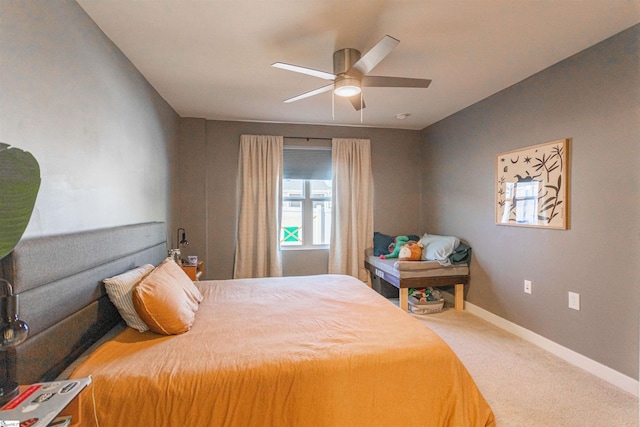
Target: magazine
x=39, y=404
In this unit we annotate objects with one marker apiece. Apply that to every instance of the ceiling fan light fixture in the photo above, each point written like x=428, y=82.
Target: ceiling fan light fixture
x=347, y=86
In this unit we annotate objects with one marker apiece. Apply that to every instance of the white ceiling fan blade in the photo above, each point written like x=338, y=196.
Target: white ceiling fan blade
x=326, y=88
x=372, y=58
x=383, y=81
x=304, y=70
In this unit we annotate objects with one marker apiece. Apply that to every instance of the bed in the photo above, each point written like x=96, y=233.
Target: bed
x=316, y=350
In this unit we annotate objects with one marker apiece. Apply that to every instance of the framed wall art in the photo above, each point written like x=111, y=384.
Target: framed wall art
x=532, y=186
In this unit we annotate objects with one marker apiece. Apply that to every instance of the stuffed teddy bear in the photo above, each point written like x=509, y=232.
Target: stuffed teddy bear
x=411, y=251
x=399, y=243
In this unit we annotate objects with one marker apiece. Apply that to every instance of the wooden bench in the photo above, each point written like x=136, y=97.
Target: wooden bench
x=419, y=274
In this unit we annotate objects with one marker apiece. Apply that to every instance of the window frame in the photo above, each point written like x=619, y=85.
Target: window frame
x=307, y=202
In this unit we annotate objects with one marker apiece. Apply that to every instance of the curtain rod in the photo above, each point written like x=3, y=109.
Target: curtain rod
x=307, y=138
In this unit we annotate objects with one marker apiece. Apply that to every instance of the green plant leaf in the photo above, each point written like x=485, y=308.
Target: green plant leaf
x=19, y=185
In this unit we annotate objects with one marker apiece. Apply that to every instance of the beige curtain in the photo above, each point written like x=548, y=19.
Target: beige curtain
x=259, y=195
x=352, y=213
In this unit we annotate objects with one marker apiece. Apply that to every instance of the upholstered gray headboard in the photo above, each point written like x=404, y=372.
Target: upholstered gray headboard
x=62, y=298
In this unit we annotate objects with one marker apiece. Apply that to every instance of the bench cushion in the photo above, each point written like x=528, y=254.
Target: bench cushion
x=416, y=269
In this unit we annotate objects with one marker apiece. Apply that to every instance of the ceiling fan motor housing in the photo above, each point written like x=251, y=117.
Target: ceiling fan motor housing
x=343, y=60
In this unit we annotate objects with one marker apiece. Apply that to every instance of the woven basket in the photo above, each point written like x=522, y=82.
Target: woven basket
x=428, y=307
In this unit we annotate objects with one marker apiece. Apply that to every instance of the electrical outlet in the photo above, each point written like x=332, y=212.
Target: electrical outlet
x=527, y=286
x=574, y=300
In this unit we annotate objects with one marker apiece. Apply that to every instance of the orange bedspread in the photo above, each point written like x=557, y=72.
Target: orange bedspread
x=297, y=351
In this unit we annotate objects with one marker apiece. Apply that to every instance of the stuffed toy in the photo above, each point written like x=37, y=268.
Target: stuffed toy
x=426, y=294
x=400, y=241
x=411, y=251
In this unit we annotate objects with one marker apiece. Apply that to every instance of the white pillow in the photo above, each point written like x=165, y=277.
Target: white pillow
x=119, y=289
x=438, y=248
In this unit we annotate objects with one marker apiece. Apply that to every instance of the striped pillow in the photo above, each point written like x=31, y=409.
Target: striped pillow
x=119, y=289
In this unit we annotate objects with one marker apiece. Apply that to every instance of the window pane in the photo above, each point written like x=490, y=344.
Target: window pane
x=292, y=188
x=320, y=188
x=291, y=234
x=321, y=222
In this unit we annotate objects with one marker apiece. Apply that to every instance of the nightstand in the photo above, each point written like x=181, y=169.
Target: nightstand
x=194, y=271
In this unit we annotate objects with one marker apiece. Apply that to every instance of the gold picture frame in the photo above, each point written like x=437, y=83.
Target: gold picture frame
x=532, y=186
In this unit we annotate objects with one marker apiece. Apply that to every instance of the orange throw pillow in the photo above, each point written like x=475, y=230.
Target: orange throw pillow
x=170, y=266
x=167, y=300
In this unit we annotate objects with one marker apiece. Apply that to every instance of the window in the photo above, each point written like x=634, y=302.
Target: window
x=306, y=212
x=306, y=199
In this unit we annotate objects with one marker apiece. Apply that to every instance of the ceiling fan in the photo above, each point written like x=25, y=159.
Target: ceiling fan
x=350, y=73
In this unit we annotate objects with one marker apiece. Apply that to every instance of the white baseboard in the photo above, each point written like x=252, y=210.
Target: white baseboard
x=612, y=376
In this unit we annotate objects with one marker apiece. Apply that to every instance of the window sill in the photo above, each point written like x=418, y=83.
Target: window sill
x=305, y=248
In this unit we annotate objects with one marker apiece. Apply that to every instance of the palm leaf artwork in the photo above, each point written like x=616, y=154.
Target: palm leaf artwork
x=531, y=186
x=19, y=185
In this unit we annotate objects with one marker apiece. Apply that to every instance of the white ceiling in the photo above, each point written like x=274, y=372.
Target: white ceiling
x=212, y=58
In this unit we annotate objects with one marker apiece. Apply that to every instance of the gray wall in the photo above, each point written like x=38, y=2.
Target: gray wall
x=103, y=137
x=209, y=161
x=593, y=98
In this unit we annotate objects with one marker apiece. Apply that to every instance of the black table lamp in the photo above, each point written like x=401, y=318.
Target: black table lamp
x=13, y=331
x=183, y=241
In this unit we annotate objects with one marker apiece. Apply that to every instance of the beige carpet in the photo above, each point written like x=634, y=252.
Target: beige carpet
x=526, y=385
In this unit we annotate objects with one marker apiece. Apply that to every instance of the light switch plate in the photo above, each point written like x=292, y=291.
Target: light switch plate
x=574, y=300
